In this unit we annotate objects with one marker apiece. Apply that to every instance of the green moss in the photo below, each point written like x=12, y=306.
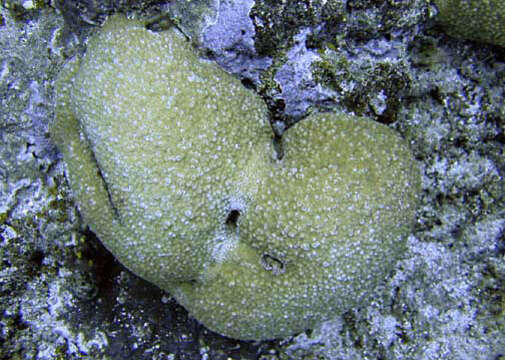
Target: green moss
x=327, y=72
x=480, y=20
x=359, y=84
x=172, y=165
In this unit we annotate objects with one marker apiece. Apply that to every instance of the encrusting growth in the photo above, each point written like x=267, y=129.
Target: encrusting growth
x=171, y=163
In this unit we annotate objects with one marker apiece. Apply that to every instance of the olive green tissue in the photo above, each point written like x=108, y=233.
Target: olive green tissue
x=172, y=164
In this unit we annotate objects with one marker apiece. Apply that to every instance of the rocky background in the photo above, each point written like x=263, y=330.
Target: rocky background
x=63, y=296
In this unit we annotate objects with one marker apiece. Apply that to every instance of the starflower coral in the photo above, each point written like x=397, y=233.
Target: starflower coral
x=171, y=163
x=480, y=20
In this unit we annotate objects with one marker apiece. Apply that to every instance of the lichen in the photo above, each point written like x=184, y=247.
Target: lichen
x=172, y=165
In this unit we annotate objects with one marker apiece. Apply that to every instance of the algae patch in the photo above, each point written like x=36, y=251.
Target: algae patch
x=171, y=163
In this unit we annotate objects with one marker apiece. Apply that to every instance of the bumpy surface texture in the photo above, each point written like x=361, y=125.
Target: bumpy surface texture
x=172, y=165
x=480, y=20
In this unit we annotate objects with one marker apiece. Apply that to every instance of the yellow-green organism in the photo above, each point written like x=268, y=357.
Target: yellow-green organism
x=171, y=163
x=480, y=20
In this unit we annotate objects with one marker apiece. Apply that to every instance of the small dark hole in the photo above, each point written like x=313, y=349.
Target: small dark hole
x=37, y=257
x=273, y=264
x=232, y=218
x=248, y=83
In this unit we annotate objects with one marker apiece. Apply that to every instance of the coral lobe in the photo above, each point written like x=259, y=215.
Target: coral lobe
x=172, y=165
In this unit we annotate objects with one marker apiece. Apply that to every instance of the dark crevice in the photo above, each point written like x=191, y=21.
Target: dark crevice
x=248, y=83
x=232, y=218
x=105, y=185
x=109, y=195
x=104, y=269
x=278, y=146
x=37, y=257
